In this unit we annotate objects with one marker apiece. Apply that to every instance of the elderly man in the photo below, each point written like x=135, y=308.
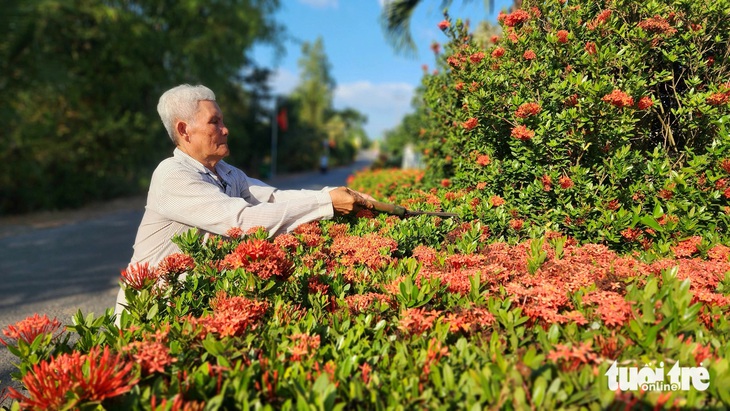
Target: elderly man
x=196, y=189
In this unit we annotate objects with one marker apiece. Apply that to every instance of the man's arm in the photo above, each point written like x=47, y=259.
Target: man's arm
x=185, y=197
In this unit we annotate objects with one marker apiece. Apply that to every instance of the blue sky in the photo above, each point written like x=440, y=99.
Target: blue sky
x=370, y=76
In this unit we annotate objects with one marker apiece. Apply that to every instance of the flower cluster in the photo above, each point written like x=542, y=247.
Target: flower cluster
x=657, y=24
x=528, y=109
x=91, y=377
x=176, y=264
x=151, y=353
x=522, y=133
x=618, y=98
x=517, y=17
x=373, y=251
x=304, y=346
x=139, y=275
x=231, y=316
x=261, y=257
x=29, y=329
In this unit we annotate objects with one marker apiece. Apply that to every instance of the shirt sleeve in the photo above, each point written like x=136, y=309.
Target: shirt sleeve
x=186, y=197
x=266, y=193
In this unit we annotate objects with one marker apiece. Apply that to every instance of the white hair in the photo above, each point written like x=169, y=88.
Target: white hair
x=180, y=104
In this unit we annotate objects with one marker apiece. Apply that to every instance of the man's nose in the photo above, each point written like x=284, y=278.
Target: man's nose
x=224, y=130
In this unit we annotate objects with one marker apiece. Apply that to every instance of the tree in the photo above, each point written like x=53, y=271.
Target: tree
x=396, y=21
x=83, y=78
x=316, y=85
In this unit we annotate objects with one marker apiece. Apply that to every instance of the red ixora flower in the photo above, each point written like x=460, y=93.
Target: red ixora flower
x=470, y=124
x=416, y=321
x=483, y=160
x=30, y=328
x=618, y=98
x=91, y=377
x=496, y=201
x=498, y=52
x=718, y=99
x=139, y=276
x=529, y=55
x=657, y=24
x=565, y=182
x=476, y=57
x=152, y=356
x=260, y=257
x=177, y=263
x=444, y=24
x=231, y=316
x=600, y=19
x=562, y=36
x=522, y=133
x=528, y=109
x=591, y=48
x=515, y=18
x=644, y=103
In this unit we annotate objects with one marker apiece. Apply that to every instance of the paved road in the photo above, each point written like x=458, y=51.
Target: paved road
x=64, y=266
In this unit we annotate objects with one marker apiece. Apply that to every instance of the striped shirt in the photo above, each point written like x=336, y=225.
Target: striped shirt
x=184, y=194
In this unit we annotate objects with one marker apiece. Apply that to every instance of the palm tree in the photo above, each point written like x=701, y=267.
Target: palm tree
x=396, y=19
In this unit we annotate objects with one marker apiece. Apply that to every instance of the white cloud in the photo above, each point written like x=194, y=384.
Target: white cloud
x=384, y=104
x=320, y=4
x=283, y=81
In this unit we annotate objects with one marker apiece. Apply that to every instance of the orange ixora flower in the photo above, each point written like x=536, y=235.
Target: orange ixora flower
x=528, y=109
x=260, y=257
x=618, y=98
x=591, y=48
x=29, y=329
x=476, y=57
x=516, y=17
x=522, y=133
x=498, y=52
x=562, y=36
x=529, y=55
x=600, y=19
x=444, y=24
x=565, y=182
x=416, y=321
x=496, y=201
x=177, y=263
x=657, y=24
x=152, y=354
x=718, y=99
x=470, y=124
x=644, y=103
x=483, y=160
x=231, y=316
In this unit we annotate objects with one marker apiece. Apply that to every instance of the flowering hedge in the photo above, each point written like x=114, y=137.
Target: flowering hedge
x=592, y=240
x=590, y=118
x=382, y=313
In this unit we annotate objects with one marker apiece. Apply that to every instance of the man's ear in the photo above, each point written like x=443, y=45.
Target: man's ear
x=182, y=130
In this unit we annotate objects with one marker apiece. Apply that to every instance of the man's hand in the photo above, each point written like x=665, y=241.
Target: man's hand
x=346, y=201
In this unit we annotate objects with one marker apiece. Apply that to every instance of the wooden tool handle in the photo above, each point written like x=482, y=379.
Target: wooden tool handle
x=393, y=209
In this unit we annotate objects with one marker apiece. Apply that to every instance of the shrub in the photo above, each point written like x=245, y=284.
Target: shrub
x=585, y=112
x=360, y=322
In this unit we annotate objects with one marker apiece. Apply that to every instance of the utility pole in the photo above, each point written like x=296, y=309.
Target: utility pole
x=274, y=136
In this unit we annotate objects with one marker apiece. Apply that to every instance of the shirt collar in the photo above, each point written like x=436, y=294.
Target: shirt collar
x=221, y=167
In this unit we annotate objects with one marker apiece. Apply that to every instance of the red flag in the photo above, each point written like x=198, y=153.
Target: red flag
x=282, y=120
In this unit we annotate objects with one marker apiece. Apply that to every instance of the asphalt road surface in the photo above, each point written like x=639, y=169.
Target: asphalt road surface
x=59, y=263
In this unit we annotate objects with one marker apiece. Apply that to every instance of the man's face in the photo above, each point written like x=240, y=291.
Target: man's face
x=207, y=139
